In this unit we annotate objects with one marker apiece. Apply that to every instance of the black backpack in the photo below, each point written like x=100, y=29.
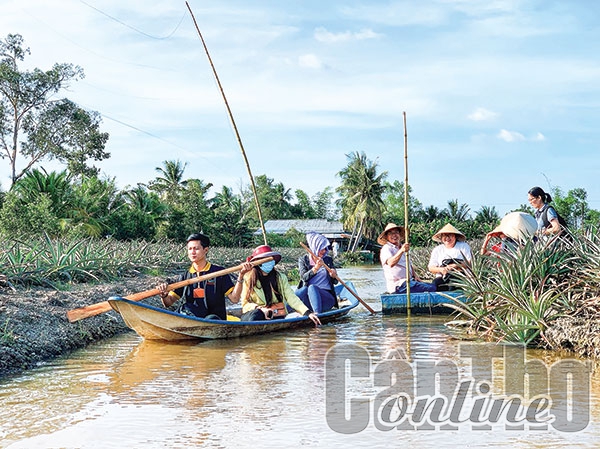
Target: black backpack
x=563, y=224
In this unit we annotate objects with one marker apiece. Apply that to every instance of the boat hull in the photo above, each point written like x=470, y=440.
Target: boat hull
x=428, y=303
x=154, y=323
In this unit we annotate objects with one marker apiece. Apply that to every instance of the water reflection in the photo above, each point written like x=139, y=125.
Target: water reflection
x=266, y=391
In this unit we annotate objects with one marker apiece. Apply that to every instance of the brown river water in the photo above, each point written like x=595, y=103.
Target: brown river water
x=324, y=387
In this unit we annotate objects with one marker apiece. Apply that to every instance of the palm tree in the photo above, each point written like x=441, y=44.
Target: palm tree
x=457, y=213
x=361, y=193
x=225, y=199
x=431, y=214
x=56, y=186
x=95, y=200
x=139, y=199
x=487, y=215
x=273, y=197
x=170, y=182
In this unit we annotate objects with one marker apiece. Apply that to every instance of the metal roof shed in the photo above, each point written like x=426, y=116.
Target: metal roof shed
x=330, y=229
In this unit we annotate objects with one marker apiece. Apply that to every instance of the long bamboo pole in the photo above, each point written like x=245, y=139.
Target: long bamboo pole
x=237, y=134
x=406, y=214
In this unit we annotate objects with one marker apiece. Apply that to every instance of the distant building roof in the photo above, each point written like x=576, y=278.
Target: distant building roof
x=330, y=229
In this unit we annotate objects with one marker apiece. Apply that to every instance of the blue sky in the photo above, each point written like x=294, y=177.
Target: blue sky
x=500, y=95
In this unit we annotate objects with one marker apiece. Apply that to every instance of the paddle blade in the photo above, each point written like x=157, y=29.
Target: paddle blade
x=88, y=311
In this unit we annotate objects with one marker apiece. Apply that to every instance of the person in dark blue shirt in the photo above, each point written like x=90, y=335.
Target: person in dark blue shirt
x=204, y=299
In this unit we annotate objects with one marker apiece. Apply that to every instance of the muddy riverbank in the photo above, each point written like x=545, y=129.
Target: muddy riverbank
x=34, y=325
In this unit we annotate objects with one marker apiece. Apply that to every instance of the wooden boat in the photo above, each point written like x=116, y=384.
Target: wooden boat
x=420, y=303
x=154, y=323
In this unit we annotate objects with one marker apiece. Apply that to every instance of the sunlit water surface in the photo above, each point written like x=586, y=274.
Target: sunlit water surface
x=263, y=391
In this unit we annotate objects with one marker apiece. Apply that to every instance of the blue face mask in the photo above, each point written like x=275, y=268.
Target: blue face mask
x=267, y=267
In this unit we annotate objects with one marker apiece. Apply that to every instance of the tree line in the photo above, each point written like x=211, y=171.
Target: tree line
x=170, y=206
x=77, y=202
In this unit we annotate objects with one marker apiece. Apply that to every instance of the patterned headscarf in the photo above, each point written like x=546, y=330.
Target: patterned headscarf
x=316, y=242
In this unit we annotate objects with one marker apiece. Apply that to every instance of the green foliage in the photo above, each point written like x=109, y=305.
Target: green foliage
x=356, y=258
x=35, y=124
x=274, y=199
x=18, y=217
x=131, y=224
x=171, y=183
x=93, y=202
x=573, y=207
x=291, y=239
x=514, y=297
x=42, y=260
x=393, y=199
x=7, y=336
x=361, y=196
x=319, y=206
x=78, y=141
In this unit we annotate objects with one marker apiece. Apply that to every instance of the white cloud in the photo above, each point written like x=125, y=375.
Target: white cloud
x=310, y=61
x=514, y=136
x=322, y=35
x=482, y=115
x=366, y=33
x=510, y=136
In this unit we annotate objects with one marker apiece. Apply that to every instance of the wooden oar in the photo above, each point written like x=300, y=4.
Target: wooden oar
x=333, y=274
x=104, y=306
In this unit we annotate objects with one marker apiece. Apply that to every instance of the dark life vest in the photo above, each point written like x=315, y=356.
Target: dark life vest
x=563, y=224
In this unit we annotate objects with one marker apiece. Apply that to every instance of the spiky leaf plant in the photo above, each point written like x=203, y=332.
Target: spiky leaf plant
x=514, y=296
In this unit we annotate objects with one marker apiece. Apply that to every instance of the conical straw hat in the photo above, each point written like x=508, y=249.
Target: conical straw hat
x=382, y=240
x=519, y=226
x=448, y=229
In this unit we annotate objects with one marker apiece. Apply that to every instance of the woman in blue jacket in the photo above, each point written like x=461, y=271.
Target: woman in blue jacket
x=316, y=288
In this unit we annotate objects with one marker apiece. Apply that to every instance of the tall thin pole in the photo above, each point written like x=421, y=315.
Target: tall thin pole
x=406, y=215
x=237, y=134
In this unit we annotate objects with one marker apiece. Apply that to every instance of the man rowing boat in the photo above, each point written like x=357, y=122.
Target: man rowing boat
x=204, y=299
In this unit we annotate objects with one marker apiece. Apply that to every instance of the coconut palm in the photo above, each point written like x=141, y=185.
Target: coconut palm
x=431, y=214
x=95, y=200
x=361, y=193
x=226, y=199
x=487, y=215
x=146, y=208
x=170, y=182
x=457, y=212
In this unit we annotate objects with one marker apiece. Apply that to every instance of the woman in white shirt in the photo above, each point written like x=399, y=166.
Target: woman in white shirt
x=393, y=260
x=452, y=254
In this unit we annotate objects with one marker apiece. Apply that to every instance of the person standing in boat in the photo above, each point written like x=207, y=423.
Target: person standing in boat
x=205, y=299
x=393, y=259
x=264, y=287
x=316, y=287
x=453, y=253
